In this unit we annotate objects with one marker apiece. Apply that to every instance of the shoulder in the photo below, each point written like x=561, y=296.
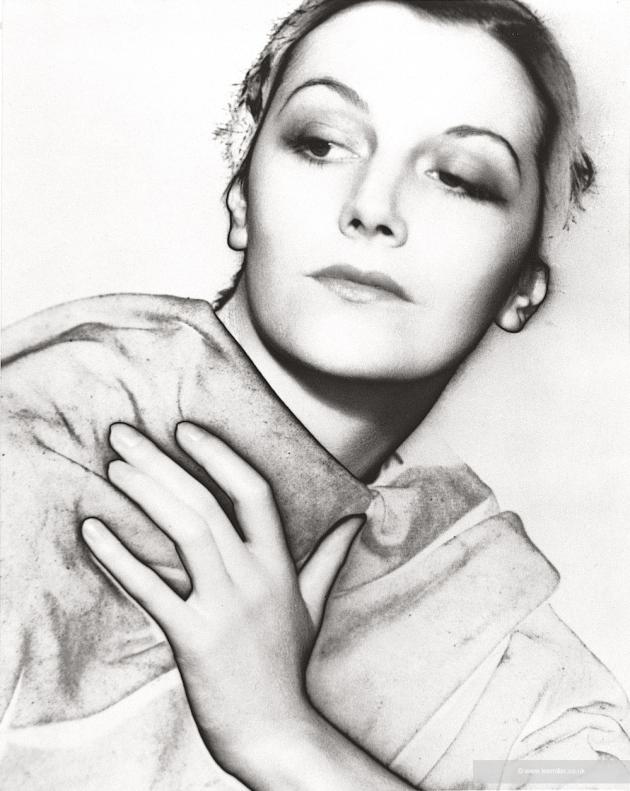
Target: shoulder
x=573, y=676
x=99, y=357
x=103, y=319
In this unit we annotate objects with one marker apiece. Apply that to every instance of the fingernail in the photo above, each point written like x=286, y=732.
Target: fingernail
x=118, y=469
x=123, y=435
x=357, y=520
x=93, y=530
x=190, y=431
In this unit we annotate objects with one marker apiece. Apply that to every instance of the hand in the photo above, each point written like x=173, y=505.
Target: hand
x=243, y=636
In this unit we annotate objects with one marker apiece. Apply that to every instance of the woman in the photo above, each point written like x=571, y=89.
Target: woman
x=382, y=237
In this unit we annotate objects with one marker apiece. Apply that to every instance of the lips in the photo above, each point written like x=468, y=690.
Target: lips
x=357, y=286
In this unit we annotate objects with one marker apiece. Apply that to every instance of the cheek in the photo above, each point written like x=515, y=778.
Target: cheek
x=279, y=216
x=291, y=205
x=459, y=263
x=468, y=256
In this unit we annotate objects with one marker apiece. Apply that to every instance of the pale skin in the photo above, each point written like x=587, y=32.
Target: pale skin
x=371, y=163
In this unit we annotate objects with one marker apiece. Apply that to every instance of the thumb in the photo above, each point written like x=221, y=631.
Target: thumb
x=320, y=570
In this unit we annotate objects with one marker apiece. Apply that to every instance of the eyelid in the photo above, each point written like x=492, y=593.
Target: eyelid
x=300, y=144
x=473, y=189
x=342, y=118
x=477, y=164
x=469, y=166
x=326, y=98
x=320, y=128
x=354, y=140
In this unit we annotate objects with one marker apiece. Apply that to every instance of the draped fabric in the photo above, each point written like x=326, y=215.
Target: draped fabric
x=439, y=646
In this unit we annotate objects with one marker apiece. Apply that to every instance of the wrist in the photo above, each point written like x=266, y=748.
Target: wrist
x=275, y=753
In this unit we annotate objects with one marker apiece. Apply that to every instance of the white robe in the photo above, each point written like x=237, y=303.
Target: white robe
x=438, y=646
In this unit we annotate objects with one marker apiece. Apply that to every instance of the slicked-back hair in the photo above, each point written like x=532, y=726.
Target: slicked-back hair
x=566, y=170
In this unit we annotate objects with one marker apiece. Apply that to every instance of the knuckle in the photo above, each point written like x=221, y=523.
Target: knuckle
x=199, y=641
x=197, y=531
x=146, y=592
x=257, y=490
x=149, y=586
x=258, y=593
x=204, y=504
x=116, y=468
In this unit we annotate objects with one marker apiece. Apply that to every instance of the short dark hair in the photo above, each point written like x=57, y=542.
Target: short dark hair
x=561, y=156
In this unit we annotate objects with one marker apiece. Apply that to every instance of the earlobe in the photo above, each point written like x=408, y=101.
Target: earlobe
x=526, y=297
x=237, y=207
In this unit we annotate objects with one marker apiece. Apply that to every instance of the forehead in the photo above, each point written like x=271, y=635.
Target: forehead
x=420, y=73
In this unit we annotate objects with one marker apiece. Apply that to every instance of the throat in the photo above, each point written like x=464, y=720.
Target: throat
x=359, y=422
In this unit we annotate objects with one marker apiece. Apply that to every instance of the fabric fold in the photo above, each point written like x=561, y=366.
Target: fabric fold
x=438, y=646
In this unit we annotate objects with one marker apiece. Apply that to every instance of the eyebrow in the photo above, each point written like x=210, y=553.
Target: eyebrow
x=343, y=90
x=348, y=93
x=476, y=131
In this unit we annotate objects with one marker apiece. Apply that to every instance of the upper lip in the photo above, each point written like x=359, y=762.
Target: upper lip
x=374, y=279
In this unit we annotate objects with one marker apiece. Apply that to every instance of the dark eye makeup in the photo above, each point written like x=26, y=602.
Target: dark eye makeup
x=314, y=149
x=461, y=187
x=320, y=144
x=322, y=141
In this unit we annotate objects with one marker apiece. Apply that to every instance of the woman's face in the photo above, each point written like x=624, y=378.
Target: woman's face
x=392, y=194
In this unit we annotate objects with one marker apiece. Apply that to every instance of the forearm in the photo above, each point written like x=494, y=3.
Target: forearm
x=313, y=756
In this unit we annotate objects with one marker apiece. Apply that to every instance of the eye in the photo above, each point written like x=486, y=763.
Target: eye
x=459, y=186
x=319, y=150
x=317, y=147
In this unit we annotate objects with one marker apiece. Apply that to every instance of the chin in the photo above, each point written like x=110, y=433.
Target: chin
x=313, y=329
x=337, y=346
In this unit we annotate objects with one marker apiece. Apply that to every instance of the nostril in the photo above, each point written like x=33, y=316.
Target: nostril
x=358, y=227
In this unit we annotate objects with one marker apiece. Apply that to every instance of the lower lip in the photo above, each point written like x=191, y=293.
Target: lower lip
x=352, y=291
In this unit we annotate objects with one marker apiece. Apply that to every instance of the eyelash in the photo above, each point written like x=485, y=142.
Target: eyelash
x=300, y=144
x=471, y=191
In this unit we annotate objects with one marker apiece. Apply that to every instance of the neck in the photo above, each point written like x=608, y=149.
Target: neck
x=359, y=422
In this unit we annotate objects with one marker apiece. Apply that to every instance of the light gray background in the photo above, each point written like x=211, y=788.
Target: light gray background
x=112, y=182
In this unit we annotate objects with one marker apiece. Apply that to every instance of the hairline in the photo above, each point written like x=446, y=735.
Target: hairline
x=277, y=77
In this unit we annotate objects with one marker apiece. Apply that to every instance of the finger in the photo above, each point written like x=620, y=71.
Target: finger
x=145, y=456
x=254, y=505
x=193, y=538
x=142, y=584
x=318, y=574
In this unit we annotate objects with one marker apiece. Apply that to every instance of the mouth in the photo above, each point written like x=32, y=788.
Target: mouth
x=354, y=285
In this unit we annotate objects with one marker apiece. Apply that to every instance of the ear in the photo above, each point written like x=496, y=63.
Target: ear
x=526, y=297
x=237, y=206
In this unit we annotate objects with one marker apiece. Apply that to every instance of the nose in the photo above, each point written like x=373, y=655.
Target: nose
x=372, y=209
